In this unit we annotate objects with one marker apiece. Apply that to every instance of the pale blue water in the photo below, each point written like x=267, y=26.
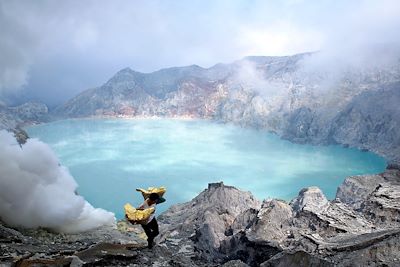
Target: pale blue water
x=109, y=158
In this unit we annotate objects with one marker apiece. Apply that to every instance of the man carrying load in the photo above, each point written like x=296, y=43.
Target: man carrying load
x=145, y=213
x=150, y=226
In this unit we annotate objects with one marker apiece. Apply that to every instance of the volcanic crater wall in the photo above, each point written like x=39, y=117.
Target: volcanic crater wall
x=358, y=109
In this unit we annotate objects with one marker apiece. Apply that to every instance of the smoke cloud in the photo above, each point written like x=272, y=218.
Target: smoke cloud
x=249, y=76
x=36, y=191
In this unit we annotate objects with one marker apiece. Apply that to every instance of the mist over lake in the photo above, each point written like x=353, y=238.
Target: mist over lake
x=110, y=158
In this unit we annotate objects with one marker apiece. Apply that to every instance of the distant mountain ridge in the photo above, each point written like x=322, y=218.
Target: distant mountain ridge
x=279, y=94
x=128, y=91
x=27, y=113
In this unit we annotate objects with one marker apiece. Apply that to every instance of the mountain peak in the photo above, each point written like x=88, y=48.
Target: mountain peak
x=126, y=70
x=125, y=75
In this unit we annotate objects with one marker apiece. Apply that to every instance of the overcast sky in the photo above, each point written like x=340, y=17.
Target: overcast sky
x=51, y=50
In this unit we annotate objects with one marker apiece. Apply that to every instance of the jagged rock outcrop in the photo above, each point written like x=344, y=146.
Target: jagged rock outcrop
x=310, y=231
x=271, y=222
x=197, y=228
x=310, y=199
x=354, y=190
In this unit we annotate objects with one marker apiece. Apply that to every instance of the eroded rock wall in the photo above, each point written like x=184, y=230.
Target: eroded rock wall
x=360, y=226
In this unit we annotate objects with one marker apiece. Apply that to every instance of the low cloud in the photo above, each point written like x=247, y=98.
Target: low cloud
x=35, y=191
x=16, y=48
x=251, y=77
x=53, y=50
x=363, y=36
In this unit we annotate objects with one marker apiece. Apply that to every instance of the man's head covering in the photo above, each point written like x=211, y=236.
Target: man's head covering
x=154, y=196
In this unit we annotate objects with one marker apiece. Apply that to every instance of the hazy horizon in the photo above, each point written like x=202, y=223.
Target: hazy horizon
x=51, y=51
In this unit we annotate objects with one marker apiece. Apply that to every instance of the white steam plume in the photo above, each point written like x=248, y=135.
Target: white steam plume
x=250, y=77
x=36, y=191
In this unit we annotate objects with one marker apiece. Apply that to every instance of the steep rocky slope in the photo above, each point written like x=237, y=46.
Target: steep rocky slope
x=224, y=226
x=371, y=121
x=280, y=94
x=359, y=228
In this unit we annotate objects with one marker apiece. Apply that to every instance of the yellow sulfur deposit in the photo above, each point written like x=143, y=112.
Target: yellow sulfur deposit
x=137, y=215
x=146, y=193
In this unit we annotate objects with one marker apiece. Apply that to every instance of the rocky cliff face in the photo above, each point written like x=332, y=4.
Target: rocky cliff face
x=357, y=107
x=359, y=228
x=371, y=121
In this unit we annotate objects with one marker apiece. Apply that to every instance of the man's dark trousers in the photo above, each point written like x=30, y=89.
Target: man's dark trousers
x=151, y=230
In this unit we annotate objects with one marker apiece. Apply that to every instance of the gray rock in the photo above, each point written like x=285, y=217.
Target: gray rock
x=235, y=263
x=203, y=222
x=296, y=259
x=10, y=235
x=76, y=262
x=272, y=223
x=21, y=135
x=376, y=249
x=242, y=222
x=383, y=205
x=376, y=196
x=356, y=189
x=310, y=199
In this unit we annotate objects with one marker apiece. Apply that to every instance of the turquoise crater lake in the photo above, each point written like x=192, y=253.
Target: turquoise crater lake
x=110, y=158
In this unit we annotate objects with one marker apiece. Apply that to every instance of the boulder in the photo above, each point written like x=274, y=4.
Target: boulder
x=310, y=199
x=272, y=223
